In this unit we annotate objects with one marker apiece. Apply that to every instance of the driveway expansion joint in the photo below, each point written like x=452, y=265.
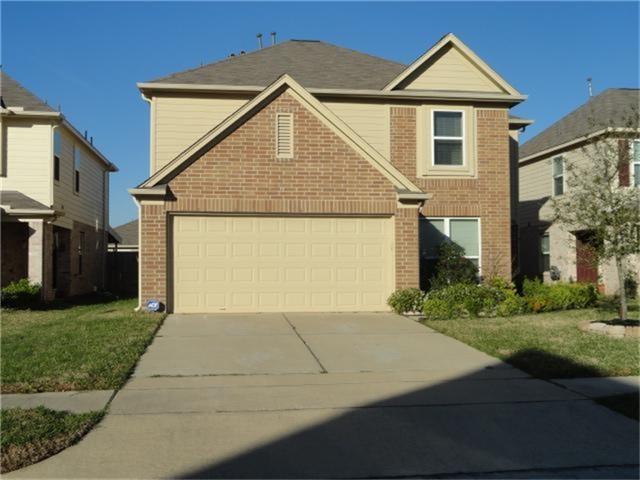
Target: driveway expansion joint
x=322, y=369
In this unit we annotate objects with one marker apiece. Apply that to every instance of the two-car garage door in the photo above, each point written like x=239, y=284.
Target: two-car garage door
x=262, y=264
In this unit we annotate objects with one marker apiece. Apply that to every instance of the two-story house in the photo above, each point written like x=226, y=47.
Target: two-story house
x=543, y=174
x=54, y=197
x=310, y=177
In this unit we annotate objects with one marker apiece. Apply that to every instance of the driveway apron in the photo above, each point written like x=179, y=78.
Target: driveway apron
x=339, y=395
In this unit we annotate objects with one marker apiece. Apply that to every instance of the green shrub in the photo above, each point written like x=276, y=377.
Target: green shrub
x=440, y=309
x=21, y=294
x=544, y=297
x=513, y=304
x=452, y=267
x=406, y=300
x=497, y=297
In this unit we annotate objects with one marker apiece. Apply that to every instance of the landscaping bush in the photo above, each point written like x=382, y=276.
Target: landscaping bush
x=20, y=294
x=544, y=297
x=497, y=297
x=406, y=300
x=452, y=267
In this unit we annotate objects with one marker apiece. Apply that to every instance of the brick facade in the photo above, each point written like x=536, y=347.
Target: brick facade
x=486, y=196
x=241, y=174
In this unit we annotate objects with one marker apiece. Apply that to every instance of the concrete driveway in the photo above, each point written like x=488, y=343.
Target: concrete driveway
x=339, y=395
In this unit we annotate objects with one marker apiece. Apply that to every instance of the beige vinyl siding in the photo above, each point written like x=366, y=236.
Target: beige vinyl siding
x=369, y=120
x=180, y=121
x=535, y=187
x=87, y=205
x=29, y=158
x=452, y=71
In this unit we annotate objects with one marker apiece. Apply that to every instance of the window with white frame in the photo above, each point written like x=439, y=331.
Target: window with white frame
x=448, y=138
x=545, y=252
x=57, y=153
x=558, y=176
x=77, y=162
x=462, y=231
x=635, y=163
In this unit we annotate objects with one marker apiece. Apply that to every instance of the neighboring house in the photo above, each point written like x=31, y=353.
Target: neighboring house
x=54, y=197
x=127, y=238
x=310, y=177
x=543, y=174
x=122, y=260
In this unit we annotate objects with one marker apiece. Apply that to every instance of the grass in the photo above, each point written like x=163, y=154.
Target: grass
x=627, y=404
x=549, y=345
x=30, y=435
x=73, y=347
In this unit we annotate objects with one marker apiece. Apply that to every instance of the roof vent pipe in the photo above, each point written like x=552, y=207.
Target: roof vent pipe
x=590, y=85
x=273, y=38
x=259, y=37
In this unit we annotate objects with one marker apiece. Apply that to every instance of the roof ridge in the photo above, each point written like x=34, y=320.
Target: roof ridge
x=363, y=53
x=19, y=85
x=224, y=60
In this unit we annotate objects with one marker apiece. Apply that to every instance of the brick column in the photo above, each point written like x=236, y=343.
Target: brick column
x=407, y=248
x=153, y=254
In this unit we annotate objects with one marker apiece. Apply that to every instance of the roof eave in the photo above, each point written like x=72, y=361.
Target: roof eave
x=576, y=141
x=150, y=88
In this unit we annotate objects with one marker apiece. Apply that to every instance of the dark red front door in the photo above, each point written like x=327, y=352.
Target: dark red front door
x=586, y=259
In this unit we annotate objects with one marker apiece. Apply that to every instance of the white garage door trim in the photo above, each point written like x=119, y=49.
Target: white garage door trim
x=243, y=263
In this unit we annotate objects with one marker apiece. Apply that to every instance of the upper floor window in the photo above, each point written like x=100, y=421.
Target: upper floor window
x=558, y=176
x=545, y=252
x=448, y=138
x=284, y=135
x=635, y=166
x=77, y=162
x=57, y=153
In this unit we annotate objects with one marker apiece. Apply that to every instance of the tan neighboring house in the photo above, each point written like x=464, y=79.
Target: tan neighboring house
x=310, y=177
x=54, y=197
x=543, y=174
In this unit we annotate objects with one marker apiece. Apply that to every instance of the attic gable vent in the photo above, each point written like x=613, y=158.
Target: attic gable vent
x=284, y=135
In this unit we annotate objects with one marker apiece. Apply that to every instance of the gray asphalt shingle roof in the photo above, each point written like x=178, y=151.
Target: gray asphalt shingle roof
x=19, y=201
x=15, y=95
x=128, y=232
x=610, y=108
x=312, y=63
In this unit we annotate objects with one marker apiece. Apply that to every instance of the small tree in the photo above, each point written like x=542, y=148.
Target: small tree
x=596, y=201
x=452, y=267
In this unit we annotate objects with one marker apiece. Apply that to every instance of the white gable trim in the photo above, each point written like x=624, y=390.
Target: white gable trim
x=448, y=39
x=286, y=83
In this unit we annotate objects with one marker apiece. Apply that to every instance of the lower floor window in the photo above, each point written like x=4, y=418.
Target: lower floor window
x=545, y=252
x=464, y=232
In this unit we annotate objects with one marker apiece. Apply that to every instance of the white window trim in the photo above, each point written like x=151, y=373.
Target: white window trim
x=633, y=162
x=434, y=138
x=76, y=148
x=554, y=176
x=58, y=134
x=447, y=233
x=543, y=252
x=290, y=115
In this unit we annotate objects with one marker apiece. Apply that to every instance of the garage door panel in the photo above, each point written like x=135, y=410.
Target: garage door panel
x=248, y=264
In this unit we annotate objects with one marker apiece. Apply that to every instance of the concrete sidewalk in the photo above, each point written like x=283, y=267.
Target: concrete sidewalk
x=395, y=399
x=76, y=402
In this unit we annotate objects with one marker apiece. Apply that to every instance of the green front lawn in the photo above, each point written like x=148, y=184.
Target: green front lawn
x=73, y=347
x=549, y=345
x=30, y=435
